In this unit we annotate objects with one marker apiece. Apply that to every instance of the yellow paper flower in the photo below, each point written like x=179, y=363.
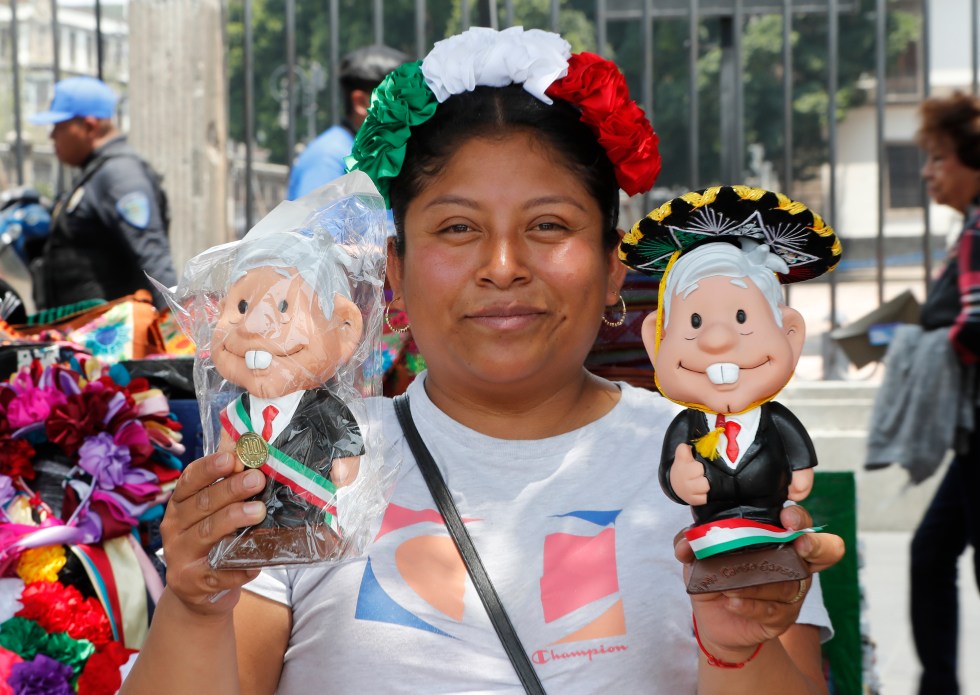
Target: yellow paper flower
x=41, y=564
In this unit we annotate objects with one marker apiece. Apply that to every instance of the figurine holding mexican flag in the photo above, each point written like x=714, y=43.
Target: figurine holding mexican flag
x=723, y=343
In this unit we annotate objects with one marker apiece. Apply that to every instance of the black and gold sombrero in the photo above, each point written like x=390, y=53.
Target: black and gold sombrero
x=725, y=213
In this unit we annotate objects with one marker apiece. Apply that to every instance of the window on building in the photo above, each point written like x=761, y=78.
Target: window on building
x=904, y=185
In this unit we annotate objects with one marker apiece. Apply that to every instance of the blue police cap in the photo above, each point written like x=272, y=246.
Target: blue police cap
x=75, y=97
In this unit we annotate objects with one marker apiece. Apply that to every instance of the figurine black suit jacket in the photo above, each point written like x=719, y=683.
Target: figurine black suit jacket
x=322, y=429
x=757, y=488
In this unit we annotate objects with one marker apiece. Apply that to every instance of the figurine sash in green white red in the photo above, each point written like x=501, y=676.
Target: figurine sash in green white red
x=284, y=469
x=732, y=534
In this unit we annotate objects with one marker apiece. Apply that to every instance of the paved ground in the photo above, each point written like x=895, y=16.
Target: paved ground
x=885, y=578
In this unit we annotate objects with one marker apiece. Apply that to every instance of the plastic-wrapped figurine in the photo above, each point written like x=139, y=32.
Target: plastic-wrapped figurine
x=283, y=320
x=284, y=329
x=723, y=344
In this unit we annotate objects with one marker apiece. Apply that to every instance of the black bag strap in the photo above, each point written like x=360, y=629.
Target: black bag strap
x=461, y=537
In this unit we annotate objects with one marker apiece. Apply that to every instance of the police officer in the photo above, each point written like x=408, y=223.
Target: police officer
x=111, y=225
x=323, y=159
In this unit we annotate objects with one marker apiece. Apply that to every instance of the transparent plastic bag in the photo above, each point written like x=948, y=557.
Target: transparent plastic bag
x=287, y=324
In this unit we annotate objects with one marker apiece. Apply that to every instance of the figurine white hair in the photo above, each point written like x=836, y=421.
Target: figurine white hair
x=319, y=261
x=753, y=262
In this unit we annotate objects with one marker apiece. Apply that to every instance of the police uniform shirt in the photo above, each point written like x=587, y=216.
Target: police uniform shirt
x=107, y=232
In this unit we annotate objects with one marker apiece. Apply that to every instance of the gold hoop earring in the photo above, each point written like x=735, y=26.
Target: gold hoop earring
x=622, y=315
x=388, y=322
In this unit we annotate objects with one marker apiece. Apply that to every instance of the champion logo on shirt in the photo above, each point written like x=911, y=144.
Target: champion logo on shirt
x=422, y=585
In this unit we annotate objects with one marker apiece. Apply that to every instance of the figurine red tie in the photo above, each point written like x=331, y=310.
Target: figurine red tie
x=269, y=414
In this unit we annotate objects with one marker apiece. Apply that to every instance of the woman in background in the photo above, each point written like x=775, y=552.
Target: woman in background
x=950, y=136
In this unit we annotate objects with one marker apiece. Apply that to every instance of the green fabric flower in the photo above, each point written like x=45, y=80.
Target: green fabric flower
x=73, y=652
x=23, y=637
x=401, y=101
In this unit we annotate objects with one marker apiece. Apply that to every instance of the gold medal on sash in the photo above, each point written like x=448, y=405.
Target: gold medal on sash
x=252, y=450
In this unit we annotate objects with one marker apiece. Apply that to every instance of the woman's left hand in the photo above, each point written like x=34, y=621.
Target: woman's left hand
x=733, y=623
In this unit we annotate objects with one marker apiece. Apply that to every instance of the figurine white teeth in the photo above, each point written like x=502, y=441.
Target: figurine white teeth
x=722, y=373
x=258, y=359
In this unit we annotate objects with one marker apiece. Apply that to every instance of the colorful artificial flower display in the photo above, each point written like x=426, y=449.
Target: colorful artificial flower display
x=88, y=456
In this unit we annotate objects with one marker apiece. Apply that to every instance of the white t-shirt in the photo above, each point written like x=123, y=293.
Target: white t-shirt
x=576, y=536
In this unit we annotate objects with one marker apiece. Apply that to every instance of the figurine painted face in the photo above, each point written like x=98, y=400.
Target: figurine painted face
x=722, y=346
x=272, y=337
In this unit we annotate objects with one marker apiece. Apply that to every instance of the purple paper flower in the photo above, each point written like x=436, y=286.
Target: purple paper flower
x=104, y=460
x=41, y=676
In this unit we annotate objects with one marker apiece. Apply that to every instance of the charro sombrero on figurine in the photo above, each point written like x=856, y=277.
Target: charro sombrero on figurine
x=725, y=213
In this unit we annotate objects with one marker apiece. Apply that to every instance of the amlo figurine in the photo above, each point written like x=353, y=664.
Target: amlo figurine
x=723, y=344
x=286, y=324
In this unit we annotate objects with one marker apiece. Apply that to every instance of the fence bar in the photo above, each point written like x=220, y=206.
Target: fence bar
x=788, y=98
x=56, y=75
x=648, y=57
x=249, y=114
x=737, y=31
x=98, y=39
x=694, y=49
x=492, y=9
x=420, y=28
x=290, y=81
x=55, y=42
x=601, y=19
x=926, y=90
x=15, y=72
x=975, y=45
x=831, y=367
x=881, y=21
x=555, y=7
x=728, y=74
x=464, y=14
x=509, y=13
x=335, y=106
x=379, y=22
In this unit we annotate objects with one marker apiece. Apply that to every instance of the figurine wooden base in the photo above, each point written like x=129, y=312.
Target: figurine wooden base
x=741, y=568
x=274, y=547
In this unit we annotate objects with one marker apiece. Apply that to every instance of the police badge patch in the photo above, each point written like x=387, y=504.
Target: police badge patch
x=134, y=208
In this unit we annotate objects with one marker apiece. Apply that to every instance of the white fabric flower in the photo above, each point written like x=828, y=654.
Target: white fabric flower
x=10, y=591
x=484, y=57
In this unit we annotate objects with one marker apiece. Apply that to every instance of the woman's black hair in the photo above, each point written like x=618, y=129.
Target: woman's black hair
x=496, y=111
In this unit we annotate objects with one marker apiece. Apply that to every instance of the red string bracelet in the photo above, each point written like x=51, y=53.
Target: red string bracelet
x=715, y=661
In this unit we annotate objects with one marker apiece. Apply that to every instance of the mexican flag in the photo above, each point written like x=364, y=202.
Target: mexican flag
x=731, y=534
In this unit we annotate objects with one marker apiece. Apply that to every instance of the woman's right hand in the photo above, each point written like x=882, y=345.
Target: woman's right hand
x=208, y=503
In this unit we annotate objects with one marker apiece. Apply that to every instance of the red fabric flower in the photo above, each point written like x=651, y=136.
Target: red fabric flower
x=15, y=458
x=50, y=605
x=101, y=674
x=69, y=424
x=60, y=608
x=90, y=622
x=597, y=87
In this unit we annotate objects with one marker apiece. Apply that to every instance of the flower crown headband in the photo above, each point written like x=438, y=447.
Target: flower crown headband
x=543, y=63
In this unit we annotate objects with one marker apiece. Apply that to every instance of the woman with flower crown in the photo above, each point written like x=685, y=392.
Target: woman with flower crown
x=501, y=155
